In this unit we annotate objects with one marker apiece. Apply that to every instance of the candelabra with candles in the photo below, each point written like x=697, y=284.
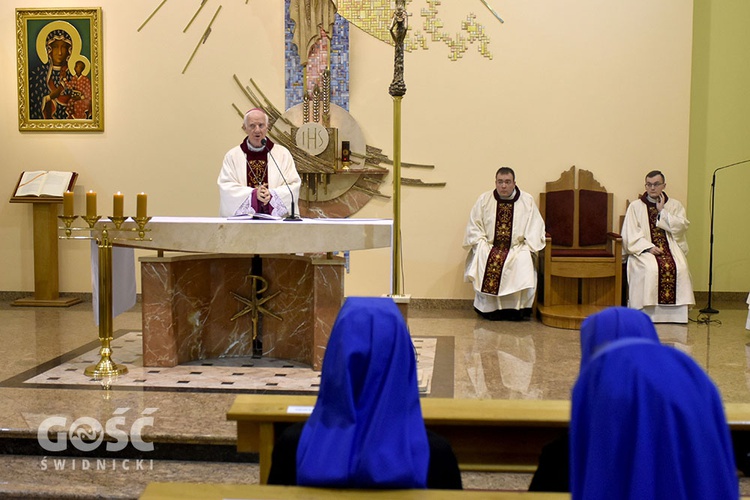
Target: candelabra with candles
x=99, y=231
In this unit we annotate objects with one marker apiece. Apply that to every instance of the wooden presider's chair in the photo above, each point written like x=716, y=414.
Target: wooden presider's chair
x=582, y=261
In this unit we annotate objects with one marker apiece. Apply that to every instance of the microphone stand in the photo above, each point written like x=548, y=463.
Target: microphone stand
x=292, y=217
x=708, y=309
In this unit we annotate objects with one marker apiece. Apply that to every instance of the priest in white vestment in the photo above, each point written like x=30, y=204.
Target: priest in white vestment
x=654, y=242
x=504, y=235
x=253, y=175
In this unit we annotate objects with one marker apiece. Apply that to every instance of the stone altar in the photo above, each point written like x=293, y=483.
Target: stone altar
x=189, y=299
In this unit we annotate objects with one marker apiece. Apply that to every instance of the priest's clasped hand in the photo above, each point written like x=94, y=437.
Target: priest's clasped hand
x=263, y=194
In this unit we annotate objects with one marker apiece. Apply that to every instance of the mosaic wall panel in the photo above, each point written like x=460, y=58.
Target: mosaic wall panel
x=374, y=17
x=337, y=49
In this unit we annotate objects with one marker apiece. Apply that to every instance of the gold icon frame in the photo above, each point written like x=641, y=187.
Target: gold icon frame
x=84, y=27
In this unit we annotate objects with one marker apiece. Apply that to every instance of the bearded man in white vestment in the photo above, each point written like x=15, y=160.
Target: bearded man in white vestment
x=654, y=241
x=504, y=235
x=249, y=181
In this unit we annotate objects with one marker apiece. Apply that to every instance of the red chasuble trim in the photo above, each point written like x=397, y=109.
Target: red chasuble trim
x=257, y=163
x=667, y=288
x=501, y=244
x=257, y=172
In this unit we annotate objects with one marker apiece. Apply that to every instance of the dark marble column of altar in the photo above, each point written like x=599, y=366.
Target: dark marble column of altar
x=189, y=300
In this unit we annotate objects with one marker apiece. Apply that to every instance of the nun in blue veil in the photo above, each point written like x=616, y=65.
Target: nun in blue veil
x=614, y=323
x=646, y=422
x=366, y=430
x=597, y=331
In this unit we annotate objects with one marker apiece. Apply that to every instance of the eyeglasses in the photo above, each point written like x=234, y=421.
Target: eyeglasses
x=654, y=185
x=505, y=182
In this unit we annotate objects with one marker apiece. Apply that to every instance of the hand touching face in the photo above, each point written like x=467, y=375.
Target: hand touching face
x=654, y=187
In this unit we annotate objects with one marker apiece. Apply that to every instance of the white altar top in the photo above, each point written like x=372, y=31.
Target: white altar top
x=249, y=236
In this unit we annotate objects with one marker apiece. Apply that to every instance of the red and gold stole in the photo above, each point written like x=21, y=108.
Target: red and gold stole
x=667, y=288
x=257, y=164
x=501, y=244
x=257, y=172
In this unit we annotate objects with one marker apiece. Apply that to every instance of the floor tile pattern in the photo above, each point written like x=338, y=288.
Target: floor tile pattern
x=242, y=374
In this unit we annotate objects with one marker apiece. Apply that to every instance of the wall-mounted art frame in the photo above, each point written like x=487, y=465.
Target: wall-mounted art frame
x=59, y=54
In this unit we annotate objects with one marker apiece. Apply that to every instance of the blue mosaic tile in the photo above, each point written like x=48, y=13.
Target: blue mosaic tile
x=295, y=74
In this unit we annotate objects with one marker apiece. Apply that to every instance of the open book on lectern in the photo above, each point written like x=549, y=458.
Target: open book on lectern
x=48, y=183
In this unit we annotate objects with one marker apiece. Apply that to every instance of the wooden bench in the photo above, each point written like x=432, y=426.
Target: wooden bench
x=202, y=491
x=486, y=434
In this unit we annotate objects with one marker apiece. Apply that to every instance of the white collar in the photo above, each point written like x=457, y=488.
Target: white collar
x=253, y=148
x=512, y=195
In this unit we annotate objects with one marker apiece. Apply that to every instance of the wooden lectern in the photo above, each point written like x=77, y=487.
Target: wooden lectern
x=46, y=276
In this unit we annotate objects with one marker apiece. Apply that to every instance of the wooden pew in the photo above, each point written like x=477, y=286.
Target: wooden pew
x=486, y=434
x=201, y=491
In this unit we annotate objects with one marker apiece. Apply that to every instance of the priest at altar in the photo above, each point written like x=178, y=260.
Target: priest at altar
x=258, y=176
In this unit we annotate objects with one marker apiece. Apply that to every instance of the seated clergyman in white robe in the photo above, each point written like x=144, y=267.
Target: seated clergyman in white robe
x=250, y=182
x=504, y=235
x=654, y=241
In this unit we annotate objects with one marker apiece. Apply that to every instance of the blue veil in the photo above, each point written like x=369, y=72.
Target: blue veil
x=366, y=430
x=647, y=422
x=612, y=324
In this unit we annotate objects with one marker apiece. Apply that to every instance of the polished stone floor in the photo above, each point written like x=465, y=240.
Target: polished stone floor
x=472, y=358
x=236, y=374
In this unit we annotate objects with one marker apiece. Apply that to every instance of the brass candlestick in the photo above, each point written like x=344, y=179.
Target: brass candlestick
x=106, y=370
x=105, y=367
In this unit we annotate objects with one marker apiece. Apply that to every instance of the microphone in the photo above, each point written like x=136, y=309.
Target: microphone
x=292, y=216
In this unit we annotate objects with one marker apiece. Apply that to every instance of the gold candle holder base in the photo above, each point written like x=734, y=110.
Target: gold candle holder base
x=117, y=221
x=105, y=368
x=141, y=222
x=91, y=221
x=68, y=221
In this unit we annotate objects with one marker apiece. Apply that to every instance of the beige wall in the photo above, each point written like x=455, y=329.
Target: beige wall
x=603, y=86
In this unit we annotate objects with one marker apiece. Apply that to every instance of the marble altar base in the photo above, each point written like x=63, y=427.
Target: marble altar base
x=188, y=306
